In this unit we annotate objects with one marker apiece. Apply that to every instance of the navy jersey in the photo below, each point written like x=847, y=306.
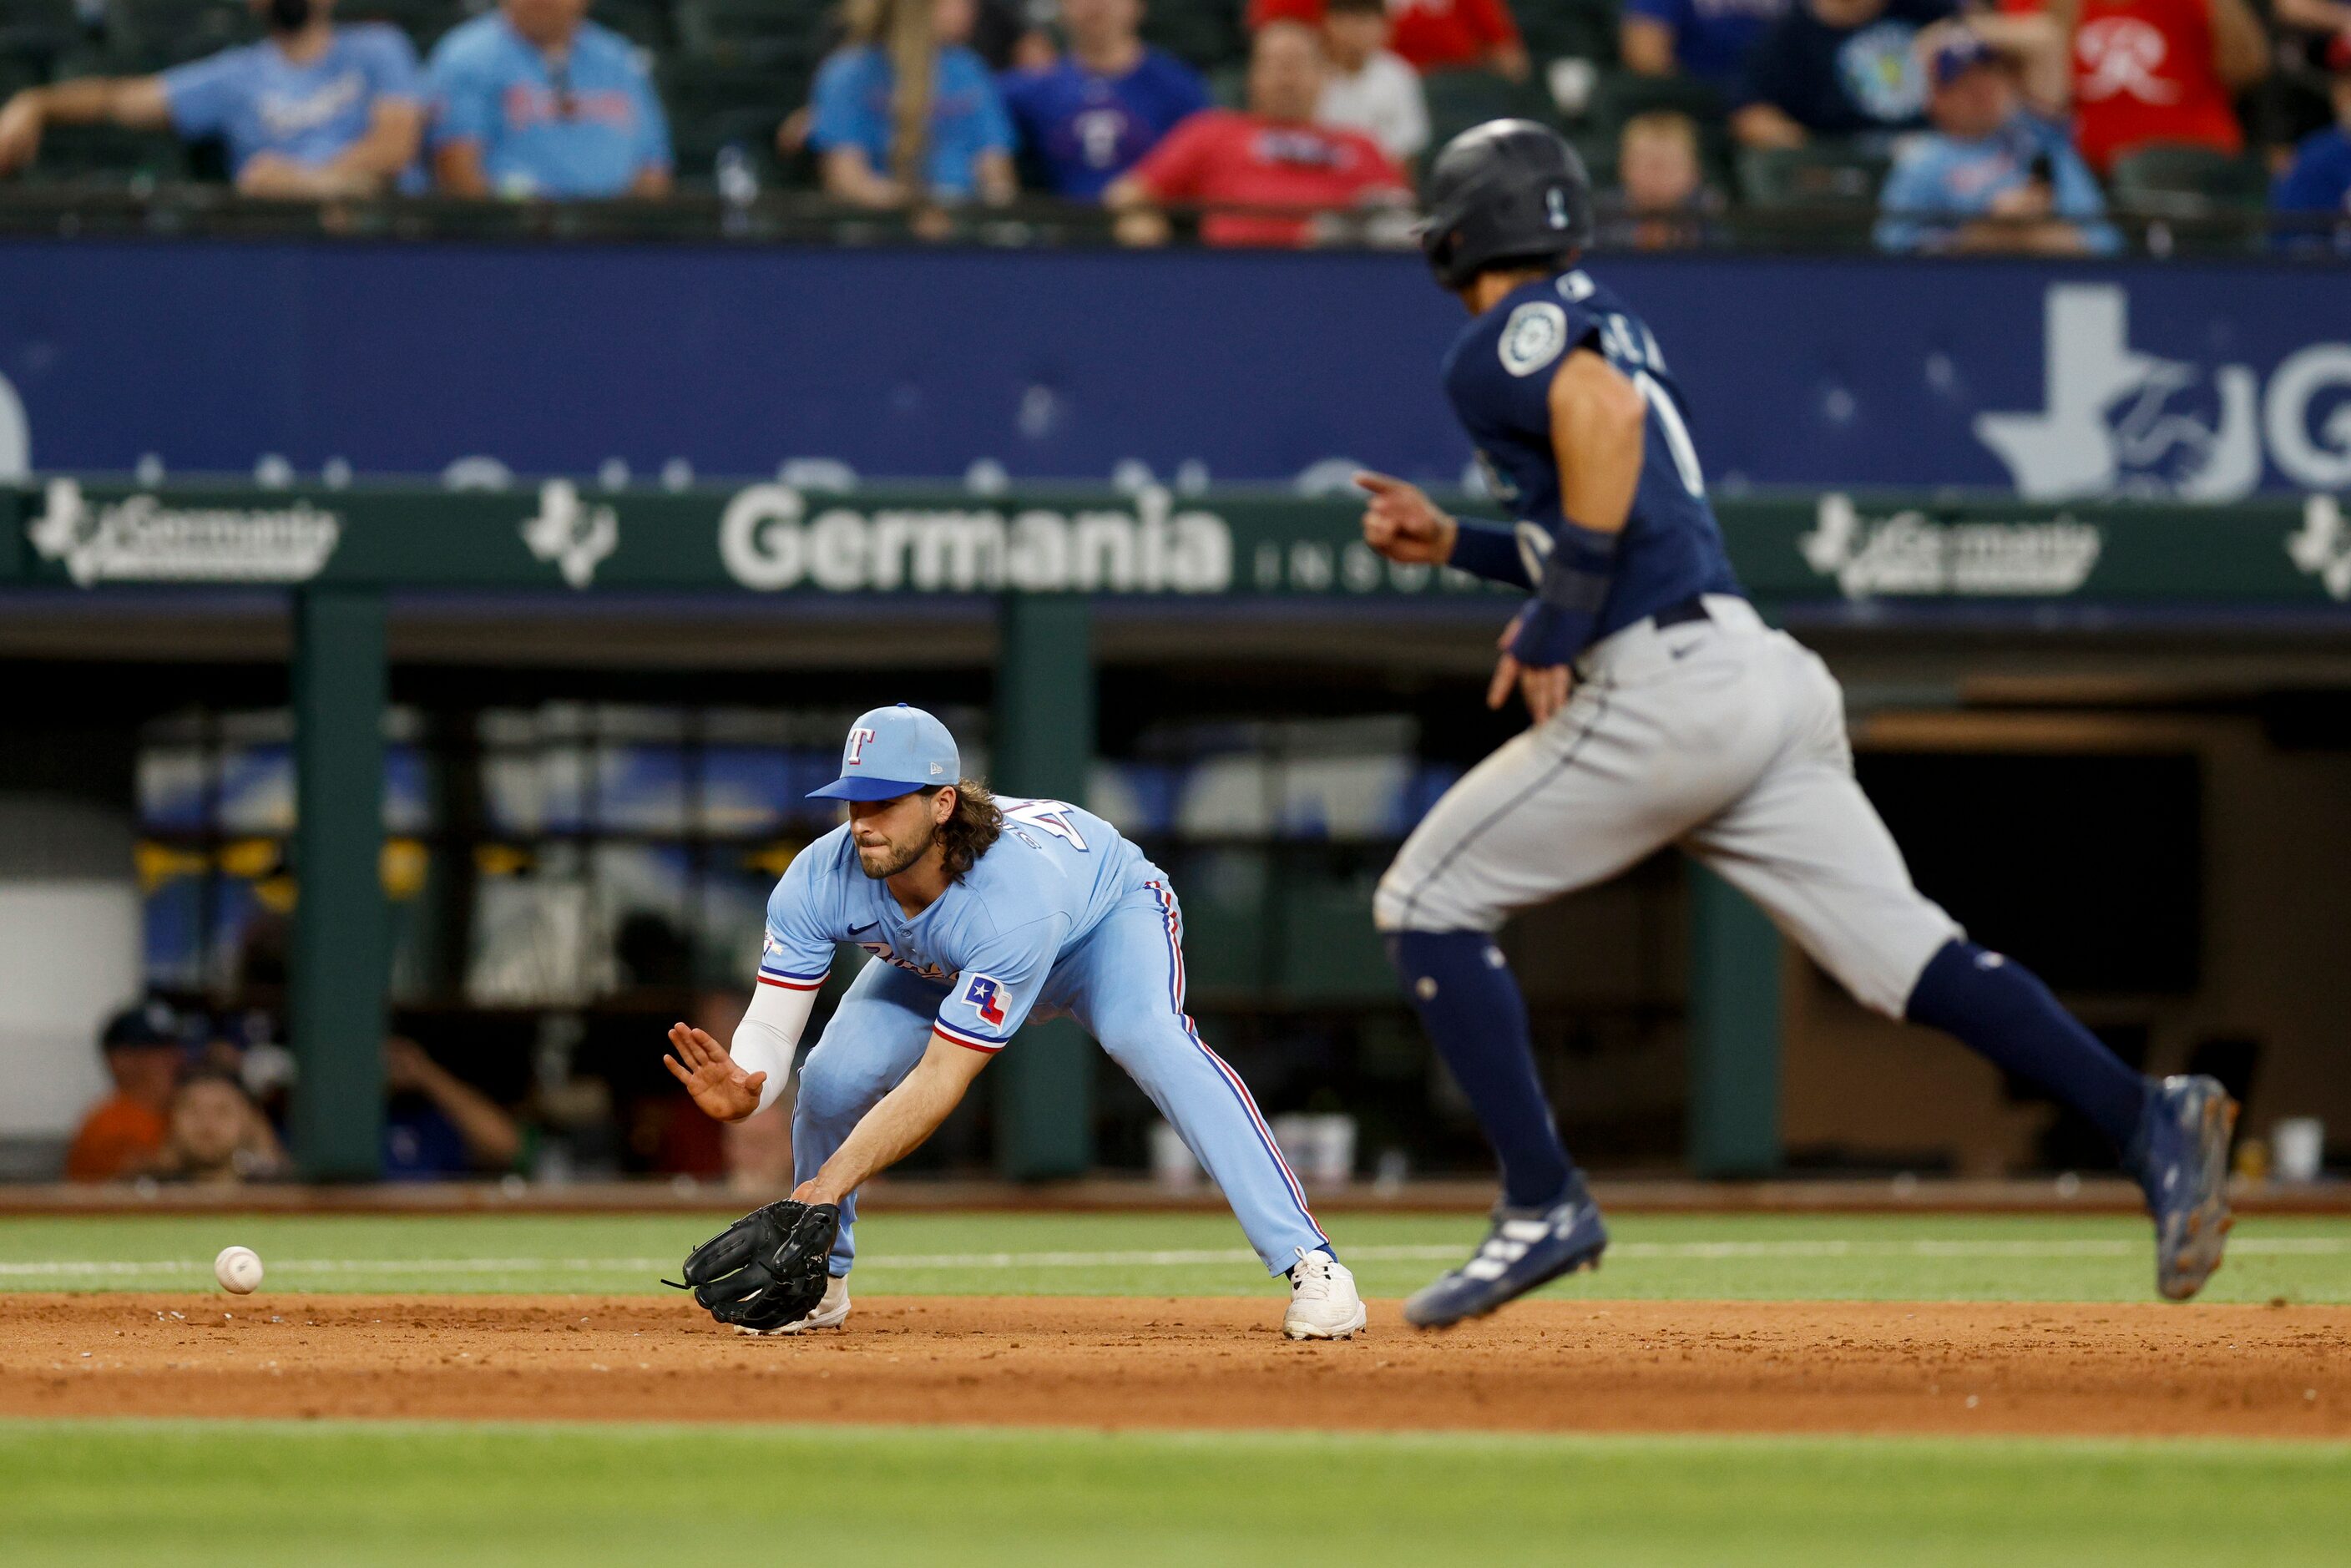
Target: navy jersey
x=1498, y=375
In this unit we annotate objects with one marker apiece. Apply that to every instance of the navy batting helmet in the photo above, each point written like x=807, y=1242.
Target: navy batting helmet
x=1507, y=190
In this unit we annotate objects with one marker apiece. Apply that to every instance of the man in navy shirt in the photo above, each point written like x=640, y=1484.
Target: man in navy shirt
x=1666, y=713
x=2320, y=178
x=1089, y=118
x=1705, y=40
x=1837, y=67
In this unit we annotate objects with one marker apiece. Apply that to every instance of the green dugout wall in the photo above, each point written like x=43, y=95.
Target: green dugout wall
x=1044, y=562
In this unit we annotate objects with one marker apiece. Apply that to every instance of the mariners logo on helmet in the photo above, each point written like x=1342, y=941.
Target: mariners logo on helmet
x=1508, y=191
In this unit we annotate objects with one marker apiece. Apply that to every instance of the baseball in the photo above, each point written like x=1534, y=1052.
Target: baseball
x=238, y=1269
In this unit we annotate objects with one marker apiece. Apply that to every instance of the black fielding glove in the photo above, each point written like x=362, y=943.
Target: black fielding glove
x=767, y=1269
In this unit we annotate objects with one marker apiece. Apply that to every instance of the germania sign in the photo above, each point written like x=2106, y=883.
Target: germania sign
x=769, y=541
x=139, y=538
x=1910, y=553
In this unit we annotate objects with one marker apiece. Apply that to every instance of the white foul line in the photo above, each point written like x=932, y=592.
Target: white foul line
x=2256, y=1246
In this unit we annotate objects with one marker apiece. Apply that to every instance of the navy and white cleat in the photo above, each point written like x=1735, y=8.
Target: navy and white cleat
x=2181, y=1161
x=1527, y=1248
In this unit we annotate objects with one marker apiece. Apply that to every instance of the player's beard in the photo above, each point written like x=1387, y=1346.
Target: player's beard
x=891, y=859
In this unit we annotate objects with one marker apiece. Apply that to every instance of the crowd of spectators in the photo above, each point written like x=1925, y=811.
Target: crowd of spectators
x=201, y=1099
x=2003, y=123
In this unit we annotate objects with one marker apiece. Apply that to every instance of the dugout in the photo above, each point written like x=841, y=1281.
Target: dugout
x=545, y=799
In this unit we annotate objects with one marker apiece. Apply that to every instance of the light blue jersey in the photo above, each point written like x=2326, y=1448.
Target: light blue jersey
x=257, y=100
x=1941, y=181
x=991, y=941
x=850, y=108
x=585, y=126
x=1060, y=915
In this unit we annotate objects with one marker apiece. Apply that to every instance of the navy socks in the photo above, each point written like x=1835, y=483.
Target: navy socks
x=2001, y=1011
x=1469, y=1002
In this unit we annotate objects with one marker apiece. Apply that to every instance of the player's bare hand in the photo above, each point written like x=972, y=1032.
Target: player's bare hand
x=1403, y=524
x=1545, y=688
x=724, y=1091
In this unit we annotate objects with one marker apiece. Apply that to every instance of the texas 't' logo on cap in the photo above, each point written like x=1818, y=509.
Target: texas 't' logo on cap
x=893, y=751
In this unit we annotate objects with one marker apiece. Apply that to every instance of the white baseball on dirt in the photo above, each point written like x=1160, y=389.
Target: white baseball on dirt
x=238, y=1269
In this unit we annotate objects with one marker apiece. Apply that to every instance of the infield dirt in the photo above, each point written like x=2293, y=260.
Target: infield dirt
x=1546, y=1365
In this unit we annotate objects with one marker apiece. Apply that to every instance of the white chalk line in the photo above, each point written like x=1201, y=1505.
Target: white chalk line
x=2254, y=1245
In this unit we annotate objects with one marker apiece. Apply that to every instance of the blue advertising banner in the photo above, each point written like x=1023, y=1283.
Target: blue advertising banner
x=664, y=363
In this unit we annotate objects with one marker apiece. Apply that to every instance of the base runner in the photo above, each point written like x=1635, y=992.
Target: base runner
x=1666, y=713
x=983, y=913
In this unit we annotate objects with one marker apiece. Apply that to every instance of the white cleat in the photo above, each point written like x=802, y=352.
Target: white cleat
x=1322, y=1300
x=830, y=1312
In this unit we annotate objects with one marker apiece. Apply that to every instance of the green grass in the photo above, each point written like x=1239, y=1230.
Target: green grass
x=1739, y=1258
x=262, y=1494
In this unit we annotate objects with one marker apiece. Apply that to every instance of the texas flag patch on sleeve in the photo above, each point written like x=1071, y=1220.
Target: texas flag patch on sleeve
x=983, y=995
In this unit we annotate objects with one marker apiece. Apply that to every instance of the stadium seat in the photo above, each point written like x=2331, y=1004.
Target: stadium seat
x=1823, y=174
x=108, y=154
x=150, y=34
x=18, y=72
x=644, y=23
x=1204, y=33
x=35, y=31
x=713, y=105
x=1459, y=100
x=750, y=33
x=2180, y=181
x=423, y=20
x=1571, y=29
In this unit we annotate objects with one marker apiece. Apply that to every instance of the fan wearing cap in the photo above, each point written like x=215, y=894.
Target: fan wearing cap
x=124, y=1134
x=2319, y=180
x=1995, y=174
x=982, y=912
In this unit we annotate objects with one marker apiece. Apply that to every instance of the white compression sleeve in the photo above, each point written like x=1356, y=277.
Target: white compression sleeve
x=770, y=1034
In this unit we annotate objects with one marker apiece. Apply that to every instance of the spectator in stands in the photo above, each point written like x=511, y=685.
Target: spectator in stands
x=219, y=1137
x=124, y=1134
x=533, y=99
x=1429, y=34
x=1837, y=67
x=1705, y=40
x=2160, y=71
x=969, y=155
x=2319, y=180
x=1084, y=120
x=1369, y=87
x=436, y=1125
x=1993, y=175
x=313, y=110
x=1662, y=202
x=1273, y=156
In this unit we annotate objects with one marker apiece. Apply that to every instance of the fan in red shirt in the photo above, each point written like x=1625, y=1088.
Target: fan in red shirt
x=1431, y=34
x=2149, y=71
x=1273, y=156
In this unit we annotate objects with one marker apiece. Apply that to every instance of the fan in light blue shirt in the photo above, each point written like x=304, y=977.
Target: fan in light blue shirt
x=313, y=110
x=534, y=100
x=970, y=152
x=1992, y=175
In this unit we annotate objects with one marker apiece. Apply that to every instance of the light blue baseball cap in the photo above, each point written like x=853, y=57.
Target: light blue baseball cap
x=893, y=751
